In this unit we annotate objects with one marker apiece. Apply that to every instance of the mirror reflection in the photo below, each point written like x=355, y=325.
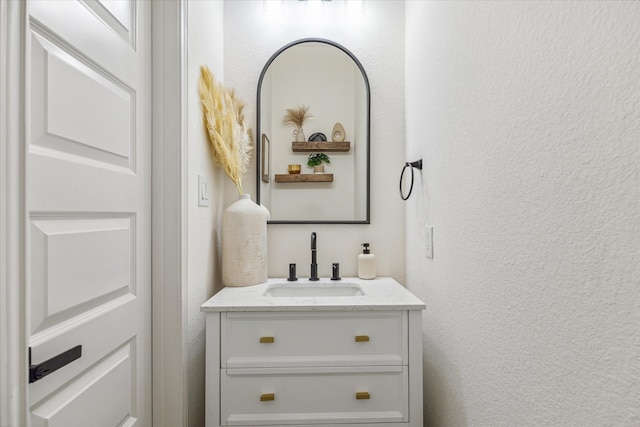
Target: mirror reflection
x=313, y=133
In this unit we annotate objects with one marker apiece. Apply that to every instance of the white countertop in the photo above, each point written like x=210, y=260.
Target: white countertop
x=381, y=293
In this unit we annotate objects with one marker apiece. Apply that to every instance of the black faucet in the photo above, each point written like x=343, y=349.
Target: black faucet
x=314, y=264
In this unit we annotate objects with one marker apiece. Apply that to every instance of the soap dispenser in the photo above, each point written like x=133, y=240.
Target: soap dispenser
x=366, y=263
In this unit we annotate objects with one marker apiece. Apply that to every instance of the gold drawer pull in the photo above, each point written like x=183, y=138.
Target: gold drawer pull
x=267, y=397
x=267, y=340
x=363, y=395
x=362, y=338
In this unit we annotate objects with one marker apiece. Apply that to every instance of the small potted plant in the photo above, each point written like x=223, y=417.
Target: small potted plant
x=315, y=161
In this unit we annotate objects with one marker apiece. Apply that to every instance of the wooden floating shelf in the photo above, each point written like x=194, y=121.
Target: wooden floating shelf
x=305, y=177
x=343, y=146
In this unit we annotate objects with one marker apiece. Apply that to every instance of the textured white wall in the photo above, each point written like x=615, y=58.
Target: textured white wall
x=204, y=26
x=527, y=115
x=251, y=36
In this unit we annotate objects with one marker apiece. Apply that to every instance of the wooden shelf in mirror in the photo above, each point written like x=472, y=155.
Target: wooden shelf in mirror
x=343, y=146
x=305, y=177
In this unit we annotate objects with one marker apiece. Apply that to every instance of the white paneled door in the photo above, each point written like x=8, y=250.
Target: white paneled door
x=88, y=188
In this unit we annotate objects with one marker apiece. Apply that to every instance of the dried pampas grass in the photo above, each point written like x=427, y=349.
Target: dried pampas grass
x=230, y=138
x=296, y=116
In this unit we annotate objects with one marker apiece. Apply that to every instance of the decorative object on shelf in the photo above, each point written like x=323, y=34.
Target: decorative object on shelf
x=294, y=169
x=265, y=157
x=244, y=243
x=229, y=135
x=315, y=161
x=337, y=134
x=298, y=135
x=318, y=137
x=244, y=223
x=296, y=117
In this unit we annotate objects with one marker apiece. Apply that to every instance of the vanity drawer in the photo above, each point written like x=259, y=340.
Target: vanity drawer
x=285, y=339
x=282, y=396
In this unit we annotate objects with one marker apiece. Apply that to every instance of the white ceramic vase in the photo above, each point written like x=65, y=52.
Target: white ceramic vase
x=244, y=243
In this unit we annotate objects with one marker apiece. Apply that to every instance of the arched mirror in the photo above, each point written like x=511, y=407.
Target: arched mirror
x=330, y=81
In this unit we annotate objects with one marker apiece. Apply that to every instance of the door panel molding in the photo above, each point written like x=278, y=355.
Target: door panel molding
x=85, y=19
x=111, y=319
x=62, y=263
x=61, y=75
x=97, y=383
x=117, y=16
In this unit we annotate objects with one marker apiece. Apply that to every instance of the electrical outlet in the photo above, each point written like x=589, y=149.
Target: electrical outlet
x=428, y=241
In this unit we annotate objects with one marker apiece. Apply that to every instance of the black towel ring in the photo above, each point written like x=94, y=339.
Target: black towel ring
x=418, y=165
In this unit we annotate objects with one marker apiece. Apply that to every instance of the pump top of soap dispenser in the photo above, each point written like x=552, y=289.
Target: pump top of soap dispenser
x=365, y=248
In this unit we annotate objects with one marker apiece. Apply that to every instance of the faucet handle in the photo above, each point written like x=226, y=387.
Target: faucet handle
x=292, y=273
x=335, y=271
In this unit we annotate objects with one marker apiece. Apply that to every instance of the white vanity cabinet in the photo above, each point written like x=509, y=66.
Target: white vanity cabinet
x=308, y=361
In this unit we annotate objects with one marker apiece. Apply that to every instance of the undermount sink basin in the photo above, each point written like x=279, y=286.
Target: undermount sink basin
x=321, y=289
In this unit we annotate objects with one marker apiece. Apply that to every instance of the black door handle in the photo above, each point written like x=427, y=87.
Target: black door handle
x=41, y=370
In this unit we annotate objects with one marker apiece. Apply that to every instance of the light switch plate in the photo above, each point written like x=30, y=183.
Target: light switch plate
x=203, y=191
x=428, y=241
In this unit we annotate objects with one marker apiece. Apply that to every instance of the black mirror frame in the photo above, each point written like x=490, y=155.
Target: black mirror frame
x=368, y=128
